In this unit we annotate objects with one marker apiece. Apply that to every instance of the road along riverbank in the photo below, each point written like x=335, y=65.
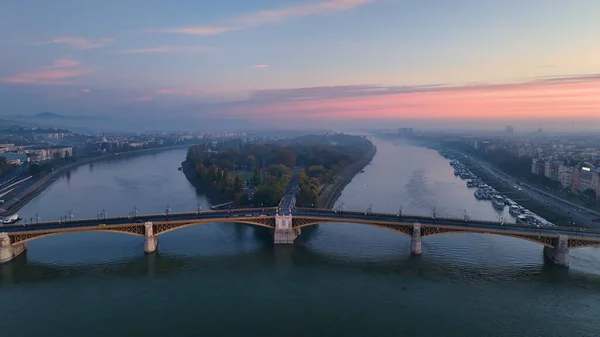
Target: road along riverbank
x=331, y=192
x=21, y=199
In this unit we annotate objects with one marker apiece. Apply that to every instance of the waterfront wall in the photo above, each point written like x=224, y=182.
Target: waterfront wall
x=331, y=192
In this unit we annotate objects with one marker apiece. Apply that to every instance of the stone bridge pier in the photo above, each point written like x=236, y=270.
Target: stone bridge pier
x=415, y=242
x=559, y=254
x=284, y=233
x=150, y=240
x=8, y=251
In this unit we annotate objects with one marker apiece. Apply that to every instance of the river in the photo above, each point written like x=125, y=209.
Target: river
x=338, y=280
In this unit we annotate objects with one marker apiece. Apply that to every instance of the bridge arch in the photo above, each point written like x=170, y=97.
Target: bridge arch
x=27, y=237
x=404, y=229
x=166, y=227
x=544, y=241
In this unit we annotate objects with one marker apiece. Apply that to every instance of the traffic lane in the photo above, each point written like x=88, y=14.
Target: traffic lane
x=581, y=215
x=534, y=192
x=464, y=224
x=126, y=220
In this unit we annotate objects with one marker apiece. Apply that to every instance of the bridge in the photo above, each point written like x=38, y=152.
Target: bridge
x=557, y=241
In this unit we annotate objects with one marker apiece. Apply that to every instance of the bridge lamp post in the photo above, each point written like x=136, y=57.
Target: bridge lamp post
x=37, y=218
x=400, y=211
x=433, y=213
x=71, y=215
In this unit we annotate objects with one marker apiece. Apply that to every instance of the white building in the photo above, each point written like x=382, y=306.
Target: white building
x=565, y=176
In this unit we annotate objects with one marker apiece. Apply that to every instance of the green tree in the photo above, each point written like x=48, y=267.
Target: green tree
x=238, y=185
x=590, y=193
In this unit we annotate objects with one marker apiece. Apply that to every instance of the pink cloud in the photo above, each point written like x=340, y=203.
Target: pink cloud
x=553, y=98
x=261, y=66
x=59, y=73
x=78, y=42
x=85, y=90
x=263, y=17
x=63, y=63
x=165, y=91
x=166, y=50
x=196, y=30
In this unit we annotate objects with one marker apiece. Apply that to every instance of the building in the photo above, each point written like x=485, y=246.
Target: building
x=585, y=172
x=596, y=181
x=565, y=176
x=538, y=166
x=551, y=170
x=42, y=154
x=15, y=158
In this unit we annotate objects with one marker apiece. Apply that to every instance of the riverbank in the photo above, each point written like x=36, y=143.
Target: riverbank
x=331, y=192
x=328, y=194
x=21, y=199
x=215, y=197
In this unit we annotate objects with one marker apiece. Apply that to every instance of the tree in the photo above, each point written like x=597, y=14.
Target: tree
x=590, y=193
x=238, y=185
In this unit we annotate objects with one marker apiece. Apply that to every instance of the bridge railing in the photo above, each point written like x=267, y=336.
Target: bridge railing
x=128, y=218
x=404, y=215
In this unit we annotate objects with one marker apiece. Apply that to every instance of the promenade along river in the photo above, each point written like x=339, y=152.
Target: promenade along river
x=338, y=280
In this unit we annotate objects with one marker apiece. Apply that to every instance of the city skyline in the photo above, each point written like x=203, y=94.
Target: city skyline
x=281, y=62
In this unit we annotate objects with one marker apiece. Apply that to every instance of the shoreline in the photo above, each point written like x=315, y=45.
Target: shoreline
x=327, y=197
x=331, y=192
x=22, y=198
x=214, y=197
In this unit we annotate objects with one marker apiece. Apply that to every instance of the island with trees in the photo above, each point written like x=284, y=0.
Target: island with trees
x=257, y=172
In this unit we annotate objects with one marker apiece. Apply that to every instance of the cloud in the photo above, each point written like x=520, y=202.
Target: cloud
x=64, y=62
x=250, y=20
x=78, y=42
x=85, y=90
x=59, y=73
x=166, y=50
x=196, y=30
x=554, y=97
x=261, y=66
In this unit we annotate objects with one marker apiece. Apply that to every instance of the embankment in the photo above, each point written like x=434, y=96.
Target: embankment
x=22, y=198
x=203, y=188
x=331, y=192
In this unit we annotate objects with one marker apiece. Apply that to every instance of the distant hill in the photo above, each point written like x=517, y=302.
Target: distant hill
x=49, y=115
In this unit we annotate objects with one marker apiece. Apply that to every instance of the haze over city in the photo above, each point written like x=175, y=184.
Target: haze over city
x=268, y=63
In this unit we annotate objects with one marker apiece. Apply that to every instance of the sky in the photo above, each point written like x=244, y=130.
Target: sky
x=298, y=63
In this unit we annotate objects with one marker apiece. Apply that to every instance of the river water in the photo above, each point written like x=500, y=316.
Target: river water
x=338, y=280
